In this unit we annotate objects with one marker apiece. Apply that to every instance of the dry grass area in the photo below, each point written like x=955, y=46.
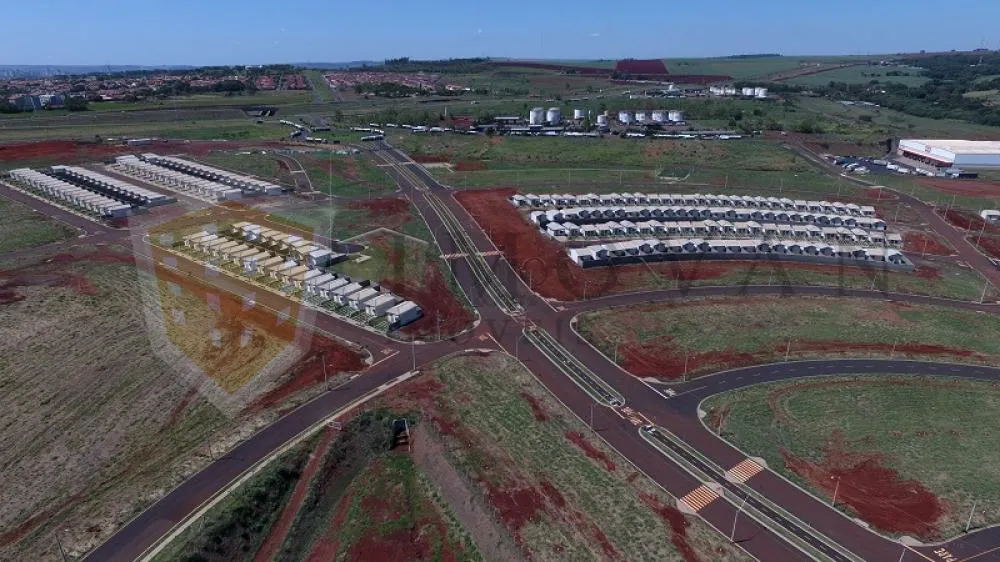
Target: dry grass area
x=695, y=336
x=96, y=426
x=555, y=491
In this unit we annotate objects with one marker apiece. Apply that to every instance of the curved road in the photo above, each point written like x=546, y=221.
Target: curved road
x=677, y=415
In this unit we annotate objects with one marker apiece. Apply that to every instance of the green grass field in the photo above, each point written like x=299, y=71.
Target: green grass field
x=320, y=85
x=24, y=228
x=860, y=75
x=513, y=437
x=415, y=257
x=203, y=129
x=720, y=332
x=747, y=68
x=253, y=163
x=933, y=430
x=346, y=175
x=345, y=220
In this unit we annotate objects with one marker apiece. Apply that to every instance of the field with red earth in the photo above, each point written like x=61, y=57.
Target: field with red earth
x=47, y=153
x=544, y=262
x=924, y=243
x=552, y=490
x=904, y=454
x=669, y=340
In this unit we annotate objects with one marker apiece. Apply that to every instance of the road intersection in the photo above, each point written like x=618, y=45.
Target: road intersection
x=660, y=433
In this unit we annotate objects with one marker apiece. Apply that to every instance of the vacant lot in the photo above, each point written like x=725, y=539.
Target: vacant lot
x=338, y=496
x=251, y=162
x=558, y=492
x=707, y=335
x=24, y=228
x=340, y=220
x=911, y=454
x=97, y=425
x=544, y=263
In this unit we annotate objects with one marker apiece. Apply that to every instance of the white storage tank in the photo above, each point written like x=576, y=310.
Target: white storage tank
x=624, y=117
x=675, y=115
x=748, y=92
x=579, y=114
x=659, y=116
x=536, y=116
x=602, y=120
x=640, y=116
x=553, y=116
x=760, y=92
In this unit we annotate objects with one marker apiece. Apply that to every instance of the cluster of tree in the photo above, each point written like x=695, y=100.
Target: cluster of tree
x=454, y=66
x=390, y=90
x=943, y=96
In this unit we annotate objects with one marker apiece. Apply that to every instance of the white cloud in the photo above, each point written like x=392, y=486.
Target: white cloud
x=595, y=34
x=479, y=31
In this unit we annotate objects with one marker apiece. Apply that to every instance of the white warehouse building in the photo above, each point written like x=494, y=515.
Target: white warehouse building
x=952, y=153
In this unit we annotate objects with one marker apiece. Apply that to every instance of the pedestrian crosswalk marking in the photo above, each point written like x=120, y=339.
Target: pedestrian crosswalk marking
x=744, y=471
x=458, y=255
x=699, y=498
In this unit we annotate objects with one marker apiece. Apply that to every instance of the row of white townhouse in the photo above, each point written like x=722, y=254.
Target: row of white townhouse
x=681, y=248
x=57, y=189
x=723, y=228
x=692, y=199
x=636, y=212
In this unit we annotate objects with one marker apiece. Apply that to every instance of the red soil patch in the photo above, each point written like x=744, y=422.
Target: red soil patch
x=51, y=272
x=879, y=194
x=678, y=525
x=988, y=244
x=441, y=308
x=392, y=212
x=969, y=222
x=536, y=407
x=606, y=547
x=553, y=494
x=431, y=158
x=517, y=506
x=873, y=491
x=580, y=441
x=308, y=371
x=467, y=166
x=659, y=358
x=325, y=548
x=975, y=188
x=926, y=272
x=272, y=544
x=641, y=66
x=920, y=242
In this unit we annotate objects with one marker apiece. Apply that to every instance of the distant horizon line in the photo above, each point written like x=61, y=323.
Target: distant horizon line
x=498, y=58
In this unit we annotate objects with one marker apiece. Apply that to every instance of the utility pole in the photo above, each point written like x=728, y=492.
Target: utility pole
x=325, y=384
x=413, y=353
x=971, y=512
x=981, y=231
x=982, y=297
x=835, y=490
x=685, y=375
x=948, y=210
x=893, y=351
x=732, y=535
x=788, y=349
x=927, y=240
x=439, y=324
x=592, y=415
x=61, y=550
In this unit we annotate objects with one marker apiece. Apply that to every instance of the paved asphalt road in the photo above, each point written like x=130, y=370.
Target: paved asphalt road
x=677, y=414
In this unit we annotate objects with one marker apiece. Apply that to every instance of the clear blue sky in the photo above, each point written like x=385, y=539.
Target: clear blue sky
x=203, y=32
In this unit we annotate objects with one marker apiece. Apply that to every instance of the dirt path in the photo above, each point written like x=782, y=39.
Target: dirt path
x=269, y=550
x=493, y=542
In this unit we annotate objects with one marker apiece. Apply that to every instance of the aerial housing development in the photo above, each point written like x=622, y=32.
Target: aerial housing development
x=724, y=305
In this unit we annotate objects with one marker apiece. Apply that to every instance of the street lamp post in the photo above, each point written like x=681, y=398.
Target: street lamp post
x=835, y=490
x=732, y=535
x=592, y=415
